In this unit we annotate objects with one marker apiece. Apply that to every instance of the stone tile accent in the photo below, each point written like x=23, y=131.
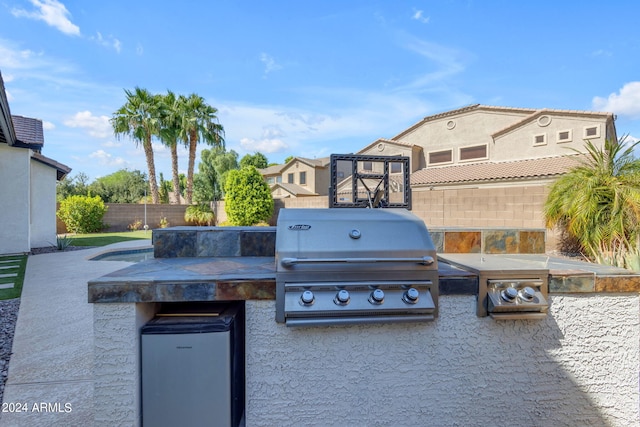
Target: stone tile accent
x=462, y=242
x=178, y=242
x=501, y=241
x=630, y=283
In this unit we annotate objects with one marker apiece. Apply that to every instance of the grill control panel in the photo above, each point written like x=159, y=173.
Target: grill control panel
x=310, y=304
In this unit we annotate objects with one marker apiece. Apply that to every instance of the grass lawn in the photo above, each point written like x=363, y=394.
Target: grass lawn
x=12, y=270
x=102, y=239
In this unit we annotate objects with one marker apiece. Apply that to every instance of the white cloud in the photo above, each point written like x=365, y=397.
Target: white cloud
x=139, y=49
x=53, y=13
x=97, y=126
x=48, y=125
x=108, y=42
x=107, y=159
x=270, y=64
x=624, y=103
x=270, y=141
x=419, y=16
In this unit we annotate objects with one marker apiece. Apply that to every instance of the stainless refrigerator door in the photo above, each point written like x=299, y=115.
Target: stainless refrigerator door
x=186, y=379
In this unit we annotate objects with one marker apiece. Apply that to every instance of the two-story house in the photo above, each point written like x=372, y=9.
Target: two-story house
x=486, y=145
x=299, y=177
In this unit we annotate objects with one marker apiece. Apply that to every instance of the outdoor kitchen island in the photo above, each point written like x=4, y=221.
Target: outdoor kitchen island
x=578, y=365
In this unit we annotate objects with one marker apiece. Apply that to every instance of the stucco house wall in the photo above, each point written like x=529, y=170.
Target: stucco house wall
x=519, y=142
x=14, y=214
x=42, y=205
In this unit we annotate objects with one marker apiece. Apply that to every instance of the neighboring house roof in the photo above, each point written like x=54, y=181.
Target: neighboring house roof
x=388, y=141
x=316, y=163
x=293, y=189
x=494, y=171
x=272, y=170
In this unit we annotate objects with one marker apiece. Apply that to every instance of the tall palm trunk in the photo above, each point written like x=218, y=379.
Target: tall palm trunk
x=193, y=142
x=153, y=183
x=174, y=171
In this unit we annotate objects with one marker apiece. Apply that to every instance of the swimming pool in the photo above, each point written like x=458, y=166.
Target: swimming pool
x=128, y=255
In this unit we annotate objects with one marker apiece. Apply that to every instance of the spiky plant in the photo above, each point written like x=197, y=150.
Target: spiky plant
x=598, y=201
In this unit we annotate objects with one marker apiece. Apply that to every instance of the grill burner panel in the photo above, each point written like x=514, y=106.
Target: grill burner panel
x=509, y=287
x=350, y=265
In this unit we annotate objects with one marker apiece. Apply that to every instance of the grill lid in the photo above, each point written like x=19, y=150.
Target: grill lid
x=317, y=238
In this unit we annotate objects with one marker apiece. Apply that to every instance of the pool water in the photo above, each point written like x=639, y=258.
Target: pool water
x=131, y=255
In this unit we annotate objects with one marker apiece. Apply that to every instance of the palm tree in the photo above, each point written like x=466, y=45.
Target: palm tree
x=199, y=123
x=169, y=132
x=598, y=201
x=138, y=119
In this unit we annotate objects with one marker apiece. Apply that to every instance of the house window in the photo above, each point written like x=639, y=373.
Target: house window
x=476, y=152
x=540, y=139
x=290, y=178
x=396, y=167
x=279, y=179
x=565, y=136
x=368, y=166
x=269, y=180
x=303, y=178
x=592, y=132
x=437, y=157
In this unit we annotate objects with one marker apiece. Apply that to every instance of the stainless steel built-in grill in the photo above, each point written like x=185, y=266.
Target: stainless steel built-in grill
x=352, y=265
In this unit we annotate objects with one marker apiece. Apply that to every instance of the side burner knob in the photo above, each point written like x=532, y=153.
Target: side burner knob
x=527, y=293
x=411, y=296
x=377, y=296
x=307, y=298
x=342, y=297
x=509, y=294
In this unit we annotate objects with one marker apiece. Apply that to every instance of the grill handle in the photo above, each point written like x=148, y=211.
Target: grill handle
x=290, y=262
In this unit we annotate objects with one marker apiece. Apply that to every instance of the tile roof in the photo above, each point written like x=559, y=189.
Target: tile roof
x=272, y=170
x=28, y=131
x=294, y=189
x=387, y=141
x=495, y=171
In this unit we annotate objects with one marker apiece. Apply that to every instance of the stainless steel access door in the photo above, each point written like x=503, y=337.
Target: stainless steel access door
x=186, y=379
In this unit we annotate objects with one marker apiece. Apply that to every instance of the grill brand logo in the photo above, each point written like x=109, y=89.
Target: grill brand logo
x=299, y=227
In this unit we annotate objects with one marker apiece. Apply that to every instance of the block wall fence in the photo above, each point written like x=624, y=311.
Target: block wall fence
x=517, y=207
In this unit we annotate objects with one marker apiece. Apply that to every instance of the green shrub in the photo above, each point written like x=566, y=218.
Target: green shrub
x=63, y=242
x=248, y=199
x=200, y=214
x=82, y=214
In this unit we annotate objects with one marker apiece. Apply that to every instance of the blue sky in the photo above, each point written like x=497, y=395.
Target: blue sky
x=309, y=78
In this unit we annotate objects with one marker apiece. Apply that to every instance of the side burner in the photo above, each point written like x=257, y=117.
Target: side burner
x=509, y=287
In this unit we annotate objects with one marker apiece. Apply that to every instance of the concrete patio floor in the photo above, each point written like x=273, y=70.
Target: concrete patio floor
x=51, y=370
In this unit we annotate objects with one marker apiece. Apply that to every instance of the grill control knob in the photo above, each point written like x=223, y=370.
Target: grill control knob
x=509, y=294
x=342, y=297
x=307, y=298
x=377, y=296
x=527, y=293
x=411, y=296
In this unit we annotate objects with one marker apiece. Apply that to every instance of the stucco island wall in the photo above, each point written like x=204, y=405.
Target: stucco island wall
x=578, y=367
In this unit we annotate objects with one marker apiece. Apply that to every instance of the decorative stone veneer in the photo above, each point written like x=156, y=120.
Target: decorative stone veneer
x=490, y=241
